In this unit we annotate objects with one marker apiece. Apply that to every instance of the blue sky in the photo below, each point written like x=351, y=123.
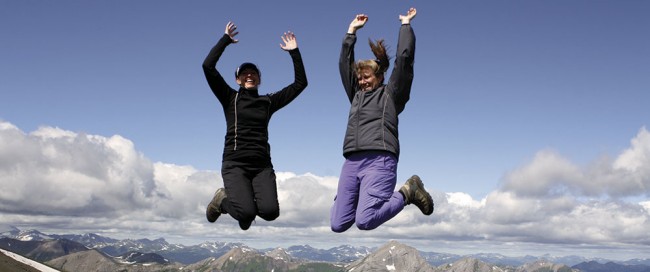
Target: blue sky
x=514, y=103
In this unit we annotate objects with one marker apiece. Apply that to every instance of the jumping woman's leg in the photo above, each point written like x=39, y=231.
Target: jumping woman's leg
x=378, y=201
x=347, y=196
x=266, y=194
x=239, y=202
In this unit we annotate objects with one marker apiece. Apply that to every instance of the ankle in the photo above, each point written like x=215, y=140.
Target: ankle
x=404, y=199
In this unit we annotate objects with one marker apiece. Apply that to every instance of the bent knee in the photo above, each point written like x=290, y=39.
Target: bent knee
x=269, y=214
x=367, y=225
x=248, y=217
x=340, y=227
x=244, y=215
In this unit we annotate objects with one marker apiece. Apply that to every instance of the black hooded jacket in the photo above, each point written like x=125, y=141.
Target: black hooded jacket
x=248, y=113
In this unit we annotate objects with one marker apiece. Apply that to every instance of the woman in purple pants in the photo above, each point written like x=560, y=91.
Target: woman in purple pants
x=365, y=193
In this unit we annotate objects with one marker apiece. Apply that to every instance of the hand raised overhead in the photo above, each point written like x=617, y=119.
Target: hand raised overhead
x=410, y=14
x=231, y=31
x=289, y=40
x=359, y=21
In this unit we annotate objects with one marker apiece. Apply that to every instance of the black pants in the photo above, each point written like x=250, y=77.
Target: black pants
x=251, y=191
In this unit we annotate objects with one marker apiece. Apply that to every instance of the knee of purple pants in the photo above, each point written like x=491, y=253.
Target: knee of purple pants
x=338, y=228
x=368, y=224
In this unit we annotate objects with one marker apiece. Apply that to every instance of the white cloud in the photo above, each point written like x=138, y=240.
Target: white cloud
x=638, y=155
x=106, y=183
x=645, y=205
x=463, y=200
x=305, y=200
x=547, y=174
x=550, y=175
x=182, y=191
x=59, y=172
x=51, y=175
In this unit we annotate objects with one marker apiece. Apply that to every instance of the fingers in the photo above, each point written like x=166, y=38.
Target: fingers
x=231, y=31
x=289, y=36
x=289, y=39
x=361, y=17
x=231, y=28
x=412, y=12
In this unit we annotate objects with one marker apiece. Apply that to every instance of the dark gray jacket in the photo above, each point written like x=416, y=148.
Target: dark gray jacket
x=373, y=121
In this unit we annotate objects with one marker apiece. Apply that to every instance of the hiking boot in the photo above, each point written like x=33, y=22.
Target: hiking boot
x=414, y=193
x=214, y=208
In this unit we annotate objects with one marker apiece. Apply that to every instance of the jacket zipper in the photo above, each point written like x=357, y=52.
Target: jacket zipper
x=236, y=98
x=356, y=138
x=383, y=120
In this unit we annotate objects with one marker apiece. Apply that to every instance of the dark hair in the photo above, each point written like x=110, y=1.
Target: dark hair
x=379, y=65
x=381, y=57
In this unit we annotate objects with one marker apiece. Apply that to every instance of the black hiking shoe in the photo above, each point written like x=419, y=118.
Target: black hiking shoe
x=214, y=208
x=413, y=191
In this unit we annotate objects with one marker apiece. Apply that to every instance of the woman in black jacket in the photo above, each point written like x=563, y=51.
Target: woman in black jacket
x=249, y=179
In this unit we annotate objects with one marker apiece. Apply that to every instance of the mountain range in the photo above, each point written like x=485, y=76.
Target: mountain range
x=92, y=252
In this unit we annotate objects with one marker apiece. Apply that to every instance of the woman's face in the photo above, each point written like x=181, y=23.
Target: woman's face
x=368, y=81
x=248, y=79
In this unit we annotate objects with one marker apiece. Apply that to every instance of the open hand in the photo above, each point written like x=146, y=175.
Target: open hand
x=359, y=21
x=231, y=31
x=410, y=14
x=289, y=40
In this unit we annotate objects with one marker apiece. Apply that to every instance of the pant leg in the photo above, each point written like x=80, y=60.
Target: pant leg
x=266, y=194
x=378, y=201
x=342, y=214
x=239, y=202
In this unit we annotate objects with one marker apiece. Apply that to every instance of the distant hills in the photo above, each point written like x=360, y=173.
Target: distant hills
x=92, y=252
x=10, y=262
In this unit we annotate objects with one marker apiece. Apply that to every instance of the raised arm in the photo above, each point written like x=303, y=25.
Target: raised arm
x=218, y=85
x=287, y=94
x=346, y=59
x=401, y=77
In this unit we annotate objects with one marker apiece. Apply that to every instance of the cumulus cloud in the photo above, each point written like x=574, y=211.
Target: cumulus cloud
x=52, y=171
x=61, y=173
x=549, y=174
x=306, y=199
x=549, y=200
x=52, y=175
x=553, y=200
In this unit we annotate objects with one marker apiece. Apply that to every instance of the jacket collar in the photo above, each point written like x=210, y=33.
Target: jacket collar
x=253, y=93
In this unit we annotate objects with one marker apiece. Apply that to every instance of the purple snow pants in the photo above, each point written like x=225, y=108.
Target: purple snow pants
x=366, y=192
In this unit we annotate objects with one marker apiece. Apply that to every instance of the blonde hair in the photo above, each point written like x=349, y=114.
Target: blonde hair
x=380, y=64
